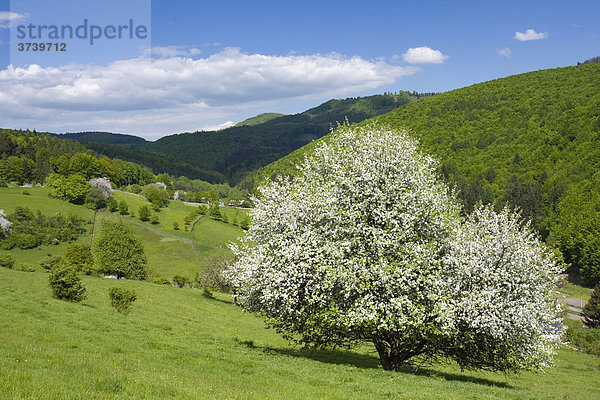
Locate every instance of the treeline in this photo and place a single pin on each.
(531, 141)
(239, 150)
(29, 157)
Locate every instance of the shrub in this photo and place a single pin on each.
(202, 210)
(50, 262)
(25, 240)
(95, 199)
(121, 299)
(123, 207)
(211, 273)
(66, 284)
(6, 260)
(144, 213)
(79, 257)
(154, 219)
(161, 281)
(176, 225)
(214, 212)
(591, 311)
(26, 193)
(112, 204)
(118, 251)
(181, 281)
(25, 267)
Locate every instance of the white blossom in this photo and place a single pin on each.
(366, 244)
(4, 224)
(103, 184)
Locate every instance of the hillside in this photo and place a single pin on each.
(259, 119)
(118, 139)
(177, 343)
(529, 140)
(238, 150)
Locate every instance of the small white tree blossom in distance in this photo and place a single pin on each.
(366, 244)
(4, 224)
(103, 184)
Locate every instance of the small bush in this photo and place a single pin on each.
(144, 213)
(50, 262)
(161, 281)
(66, 284)
(25, 267)
(79, 257)
(26, 193)
(121, 299)
(211, 273)
(25, 240)
(591, 311)
(176, 225)
(181, 281)
(6, 260)
(112, 204)
(154, 219)
(123, 207)
(587, 340)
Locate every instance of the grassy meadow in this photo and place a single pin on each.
(178, 344)
(37, 199)
(167, 256)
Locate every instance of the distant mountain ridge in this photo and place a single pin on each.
(236, 151)
(117, 139)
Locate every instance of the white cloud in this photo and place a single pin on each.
(423, 55)
(530, 34)
(7, 16)
(166, 95)
(218, 127)
(505, 52)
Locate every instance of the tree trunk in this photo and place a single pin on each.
(391, 355)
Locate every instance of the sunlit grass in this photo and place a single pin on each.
(178, 344)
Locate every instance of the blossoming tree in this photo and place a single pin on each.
(365, 244)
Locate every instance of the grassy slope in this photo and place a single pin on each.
(178, 344)
(10, 198)
(167, 256)
(259, 119)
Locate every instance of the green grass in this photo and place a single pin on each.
(178, 344)
(166, 256)
(211, 237)
(38, 199)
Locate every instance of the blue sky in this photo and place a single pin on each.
(218, 62)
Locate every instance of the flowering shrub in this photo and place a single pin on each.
(102, 184)
(4, 225)
(366, 244)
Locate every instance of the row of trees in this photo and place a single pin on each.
(29, 157)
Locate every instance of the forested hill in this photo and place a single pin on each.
(28, 157)
(530, 140)
(118, 139)
(237, 150)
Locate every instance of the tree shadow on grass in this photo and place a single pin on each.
(366, 361)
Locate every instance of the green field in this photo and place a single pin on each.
(167, 256)
(178, 344)
(38, 199)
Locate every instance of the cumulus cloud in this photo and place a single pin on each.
(7, 16)
(423, 55)
(180, 89)
(505, 52)
(224, 125)
(530, 34)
